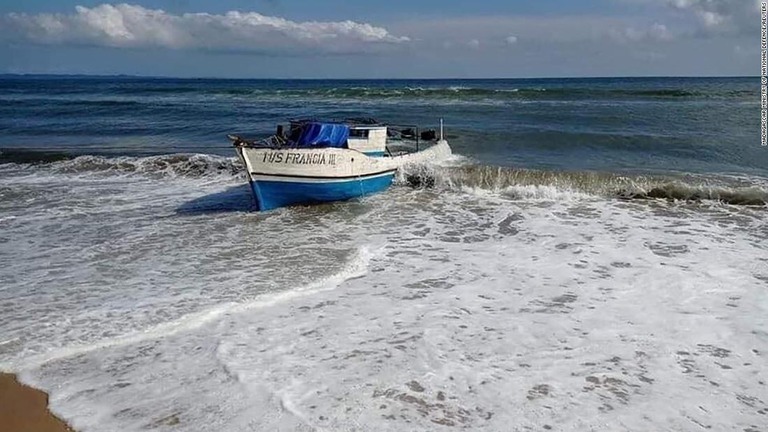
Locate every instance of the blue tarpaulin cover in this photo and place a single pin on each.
(315, 134)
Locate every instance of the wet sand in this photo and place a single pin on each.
(24, 409)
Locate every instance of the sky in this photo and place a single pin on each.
(381, 39)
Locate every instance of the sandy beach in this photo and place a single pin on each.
(24, 409)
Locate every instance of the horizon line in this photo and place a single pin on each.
(85, 75)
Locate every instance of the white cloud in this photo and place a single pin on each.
(474, 44)
(659, 32)
(656, 32)
(746, 52)
(568, 30)
(722, 16)
(133, 26)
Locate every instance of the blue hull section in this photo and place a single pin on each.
(272, 194)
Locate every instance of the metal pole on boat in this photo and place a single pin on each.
(417, 138)
(441, 129)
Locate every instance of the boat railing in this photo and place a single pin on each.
(404, 132)
(413, 133)
(273, 141)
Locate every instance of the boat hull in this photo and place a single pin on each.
(282, 177)
(273, 192)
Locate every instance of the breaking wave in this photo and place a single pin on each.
(543, 92)
(475, 92)
(524, 183)
(173, 165)
(177, 165)
(18, 156)
(512, 182)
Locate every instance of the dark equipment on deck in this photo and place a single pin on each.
(408, 133)
(429, 135)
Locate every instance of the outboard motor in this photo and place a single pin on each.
(428, 135)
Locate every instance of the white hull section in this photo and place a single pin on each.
(329, 163)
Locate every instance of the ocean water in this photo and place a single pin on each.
(595, 257)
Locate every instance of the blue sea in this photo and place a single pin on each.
(593, 257)
(704, 125)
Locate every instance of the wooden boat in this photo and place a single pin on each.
(318, 161)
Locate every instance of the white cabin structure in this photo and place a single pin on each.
(371, 140)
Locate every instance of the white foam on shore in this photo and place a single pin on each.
(356, 268)
(415, 310)
(575, 317)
